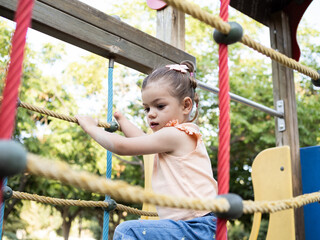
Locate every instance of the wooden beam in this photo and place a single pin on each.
(171, 26)
(284, 89)
(88, 28)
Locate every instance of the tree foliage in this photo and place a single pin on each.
(83, 81)
(46, 136)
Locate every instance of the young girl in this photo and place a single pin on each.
(181, 167)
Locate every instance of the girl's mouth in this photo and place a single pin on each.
(153, 124)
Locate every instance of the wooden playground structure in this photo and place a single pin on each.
(88, 28)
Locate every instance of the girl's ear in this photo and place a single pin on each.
(187, 105)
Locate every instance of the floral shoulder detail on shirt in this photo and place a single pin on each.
(184, 127)
(172, 123)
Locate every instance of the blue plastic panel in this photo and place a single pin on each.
(310, 170)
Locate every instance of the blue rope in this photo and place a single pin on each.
(4, 183)
(109, 154)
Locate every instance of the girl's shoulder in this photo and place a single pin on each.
(189, 128)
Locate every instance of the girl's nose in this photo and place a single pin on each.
(151, 114)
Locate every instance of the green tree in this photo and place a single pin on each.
(84, 81)
(307, 94)
(42, 135)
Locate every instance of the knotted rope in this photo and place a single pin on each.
(79, 203)
(53, 114)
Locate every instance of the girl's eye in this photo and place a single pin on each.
(161, 106)
(147, 110)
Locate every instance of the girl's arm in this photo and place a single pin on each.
(164, 140)
(127, 127)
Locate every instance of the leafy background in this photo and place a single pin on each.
(68, 80)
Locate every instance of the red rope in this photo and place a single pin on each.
(224, 124)
(10, 92)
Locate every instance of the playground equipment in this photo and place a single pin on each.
(144, 58)
(310, 165)
(272, 180)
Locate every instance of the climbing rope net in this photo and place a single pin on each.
(63, 172)
(122, 191)
(119, 190)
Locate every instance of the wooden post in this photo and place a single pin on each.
(284, 89)
(171, 27)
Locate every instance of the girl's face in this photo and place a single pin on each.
(160, 106)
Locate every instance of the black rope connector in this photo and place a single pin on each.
(18, 103)
(317, 81)
(233, 36)
(6, 193)
(112, 205)
(236, 206)
(114, 126)
(13, 158)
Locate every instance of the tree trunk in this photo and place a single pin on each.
(66, 225)
(80, 227)
(67, 218)
(66, 222)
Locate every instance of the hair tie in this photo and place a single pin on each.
(178, 67)
(191, 74)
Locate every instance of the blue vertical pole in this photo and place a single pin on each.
(4, 180)
(109, 154)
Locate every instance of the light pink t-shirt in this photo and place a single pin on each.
(184, 176)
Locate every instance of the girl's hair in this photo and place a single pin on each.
(182, 84)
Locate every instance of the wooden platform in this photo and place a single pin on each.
(86, 27)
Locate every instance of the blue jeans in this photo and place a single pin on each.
(202, 228)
